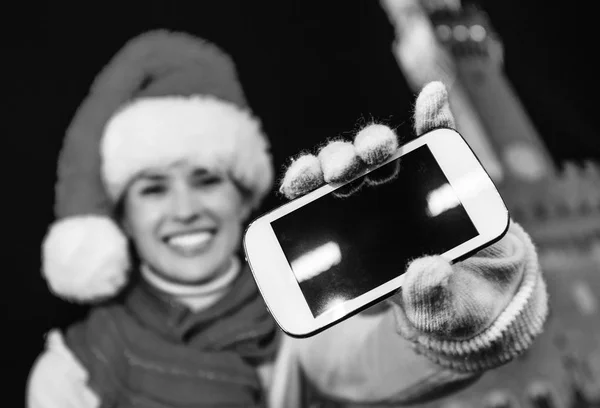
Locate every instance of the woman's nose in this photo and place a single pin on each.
(185, 207)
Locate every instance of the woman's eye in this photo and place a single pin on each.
(207, 180)
(152, 190)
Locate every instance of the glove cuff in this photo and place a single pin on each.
(513, 331)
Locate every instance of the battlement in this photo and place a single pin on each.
(561, 208)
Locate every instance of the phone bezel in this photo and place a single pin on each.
(277, 283)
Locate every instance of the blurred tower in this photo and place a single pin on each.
(478, 56)
(557, 203)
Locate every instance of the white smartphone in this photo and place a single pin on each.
(327, 255)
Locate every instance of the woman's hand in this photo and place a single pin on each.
(470, 316)
(58, 380)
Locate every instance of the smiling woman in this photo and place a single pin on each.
(185, 221)
(185, 105)
(166, 155)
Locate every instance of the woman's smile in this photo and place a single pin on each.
(190, 243)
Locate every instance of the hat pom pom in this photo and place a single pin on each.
(85, 258)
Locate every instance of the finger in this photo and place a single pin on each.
(432, 109)
(444, 302)
(425, 291)
(303, 175)
(63, 357)
(339, 161)
(375, 143)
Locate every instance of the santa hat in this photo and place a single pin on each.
(164, 97)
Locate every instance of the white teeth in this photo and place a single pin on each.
(194, 240)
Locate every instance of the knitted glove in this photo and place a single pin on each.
(58, 379)
(470, 316)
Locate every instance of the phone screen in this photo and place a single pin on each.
(346, 243)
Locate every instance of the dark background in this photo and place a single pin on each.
(311, 69)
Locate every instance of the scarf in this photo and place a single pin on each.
(148, 350)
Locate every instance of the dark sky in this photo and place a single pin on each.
(311, 69)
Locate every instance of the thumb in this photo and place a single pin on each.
(446, 301)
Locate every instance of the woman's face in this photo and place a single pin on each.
(185, 221)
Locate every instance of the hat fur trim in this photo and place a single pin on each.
(85, 258)
(159, 131)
